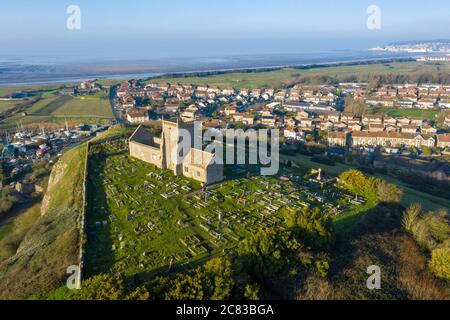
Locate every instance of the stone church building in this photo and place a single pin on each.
(161, 151)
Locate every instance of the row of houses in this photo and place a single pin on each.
(387, 139)
(405, 96)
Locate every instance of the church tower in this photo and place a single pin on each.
(171, 138)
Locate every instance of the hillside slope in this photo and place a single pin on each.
(51, 245)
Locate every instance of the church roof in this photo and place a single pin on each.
(198, 158)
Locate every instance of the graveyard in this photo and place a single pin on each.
(141, 220)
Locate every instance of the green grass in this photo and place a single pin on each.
(15, 230)
(5, 231)
(7, 105)
(344, 222)
(123, 199)
(428, 202)
(398, 112)
(51, 243)
(85, 107)
(55, 110)
(49, 105)
(287, 75)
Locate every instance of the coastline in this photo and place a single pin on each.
(198, 72)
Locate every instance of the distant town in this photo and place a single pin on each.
(438, 46)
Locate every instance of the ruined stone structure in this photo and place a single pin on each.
(162, 152)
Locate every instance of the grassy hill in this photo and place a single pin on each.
(51, 244)
(41, 251)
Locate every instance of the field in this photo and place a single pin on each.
(142, 220)
(88, 107)
(278, 77)
(52, 109)
(398, 112)
(6, 105)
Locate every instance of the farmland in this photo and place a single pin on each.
(143, 220)
(51, 109)
(6, 105)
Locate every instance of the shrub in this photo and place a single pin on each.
(440, 262)
(411, 217)
(389, 193)
(108, 287)
(251, 292)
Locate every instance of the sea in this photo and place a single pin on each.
(36, 70)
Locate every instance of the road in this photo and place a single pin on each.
(114, 101)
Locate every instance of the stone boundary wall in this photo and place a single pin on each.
(83, 235)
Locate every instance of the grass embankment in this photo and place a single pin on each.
(47, 238)
(12, 233)
(39, 258)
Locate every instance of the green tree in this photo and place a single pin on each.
(427, 151)
(220, 273)
(108, 287)
(312, 226)
(213, 281)
(270, 253)
(322, 268)
(358, 183)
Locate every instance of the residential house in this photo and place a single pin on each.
(366, 120)
(280, 96)
(444, 103)
(268, 121)
(390, 120)
(391, 139)
(443, 140)
(409, 128)
(230, 110)
(403, 121)
(137, 116)
(337, 138)
(427, 129)
(376, 127)
(190, 113)
(426, 103)
(326, 125)
(294, 134)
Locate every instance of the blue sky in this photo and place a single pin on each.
(212, 27)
